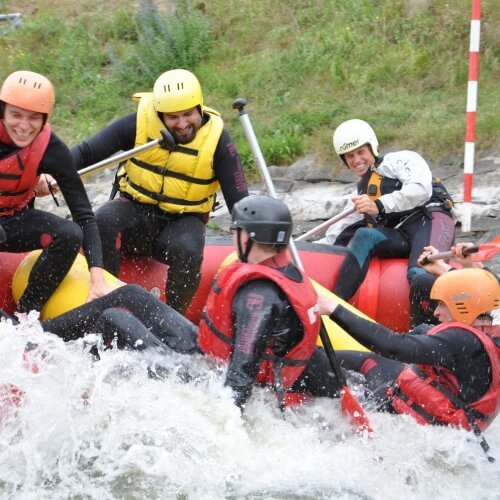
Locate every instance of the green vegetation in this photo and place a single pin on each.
(303, 65)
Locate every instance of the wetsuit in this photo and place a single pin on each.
(266, 326)
(31, 229)
(414, 211)
(175, 239)
(135, 316)
(454, 349)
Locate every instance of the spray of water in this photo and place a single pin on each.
(134, 425)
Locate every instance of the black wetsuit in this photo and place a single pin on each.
(275, 324)
(138, 228)
(135, 316)
(61, 239)
(455, 349)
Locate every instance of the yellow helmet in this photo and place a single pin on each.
(29, 90)
(467, 293)
(177, 90)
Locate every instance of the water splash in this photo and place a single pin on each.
(135, 425)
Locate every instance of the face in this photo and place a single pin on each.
(442, 313)
(360, 160)
(21, 124)
(183, 124)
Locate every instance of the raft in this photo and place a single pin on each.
(383, 296)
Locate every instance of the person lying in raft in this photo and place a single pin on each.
(447, 374)
(421, 305)
(261, 315)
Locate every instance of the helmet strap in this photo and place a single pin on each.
(243, 254)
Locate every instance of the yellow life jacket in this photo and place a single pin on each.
(179, 181)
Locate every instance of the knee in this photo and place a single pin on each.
(364, 240)
(72, 234)
(413, 272)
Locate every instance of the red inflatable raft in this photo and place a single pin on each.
(383, 295)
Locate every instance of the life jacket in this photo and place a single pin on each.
(216, 334)
(180, 181)
(432, 395)
(19, 171)
(375, 185)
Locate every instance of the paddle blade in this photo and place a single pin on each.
(11, 398)
(353, 409)
(487, 250)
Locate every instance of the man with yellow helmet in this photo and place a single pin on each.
(399, 207)
(28, 150)
(166, 196)
(447, 374)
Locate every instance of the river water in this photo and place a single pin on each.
(107, 429)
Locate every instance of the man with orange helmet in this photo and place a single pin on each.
(447, 374)
(28, 150)
(166, 196)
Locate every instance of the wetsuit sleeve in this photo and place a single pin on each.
(117, 136)
(443, 349)
(253, 322)
(57, 162)
(229, 171)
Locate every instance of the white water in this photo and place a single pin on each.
(135, 437)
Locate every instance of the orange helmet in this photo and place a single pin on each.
(29, 90)
(467, 293)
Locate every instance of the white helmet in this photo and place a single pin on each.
(353, 134)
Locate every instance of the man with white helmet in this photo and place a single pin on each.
(447, 374)
(30, 151)
(166, 196)
(399, 207)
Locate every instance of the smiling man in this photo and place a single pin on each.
(399, 207)
(166, 196)
(29, 150)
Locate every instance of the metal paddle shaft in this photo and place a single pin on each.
(325, 225)
(348, 402)
(167, 142)
(446, 255)
(240, 104)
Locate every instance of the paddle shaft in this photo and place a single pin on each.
(325, 225)
(446, 255)
(356, 410)
(167, 141)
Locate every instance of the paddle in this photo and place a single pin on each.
(325, 225)
(349, 404)
(483, 251)
(167, 142)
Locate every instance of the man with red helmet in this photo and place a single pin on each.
(447, 374)
(28, 150)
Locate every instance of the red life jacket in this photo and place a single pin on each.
(18, 171)
(215, 334)
(431, 395)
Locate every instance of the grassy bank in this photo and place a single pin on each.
(303, 65)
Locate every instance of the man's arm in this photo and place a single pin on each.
(229, 171)
(253, 323)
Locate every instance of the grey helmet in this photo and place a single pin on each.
(266, 220)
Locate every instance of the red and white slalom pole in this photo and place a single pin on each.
(470, 126)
